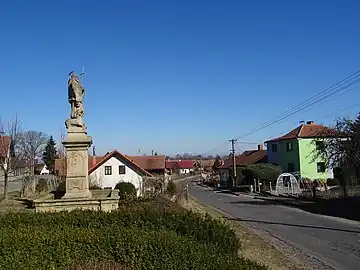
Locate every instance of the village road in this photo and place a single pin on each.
(326, 243)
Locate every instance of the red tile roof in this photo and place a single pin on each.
(149, 162)
(246, 158)
(5, 142)
(182, 164)
(307, 131)
(123, 158)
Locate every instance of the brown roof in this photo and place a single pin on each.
(144, 162)
(149, 162)
(5, 142)
(246, 158)
(307, 131)
(123, 158)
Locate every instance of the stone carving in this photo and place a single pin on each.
(75, 183)
(76, 94)
(75, 162)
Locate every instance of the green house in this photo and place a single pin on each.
(295, 152)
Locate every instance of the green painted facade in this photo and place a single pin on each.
(299, 159)
(309, 161)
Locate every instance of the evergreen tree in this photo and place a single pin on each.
(50, 154)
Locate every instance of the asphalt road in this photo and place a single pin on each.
(325, 243)
(14, 185)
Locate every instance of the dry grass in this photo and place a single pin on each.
(13, 204)
(253, 247)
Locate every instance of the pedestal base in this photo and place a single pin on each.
(77, 144)
(86, 194)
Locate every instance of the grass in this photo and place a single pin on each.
(13, 204)
(253, 247)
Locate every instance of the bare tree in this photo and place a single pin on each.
(60, 147)
(339, 147)
(32, 144)
(10, 157)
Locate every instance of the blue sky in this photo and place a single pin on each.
(176, 76)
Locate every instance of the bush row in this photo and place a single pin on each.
(143, 234)
(146, 214)
(59, 248)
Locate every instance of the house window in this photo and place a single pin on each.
(291, 167)
(274, 148)
(319, 145)
(107, 170)
(321, 167)
(289, 146)
(121, 169)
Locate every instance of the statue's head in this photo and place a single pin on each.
(73, 75)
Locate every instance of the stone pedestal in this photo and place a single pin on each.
(77, 144)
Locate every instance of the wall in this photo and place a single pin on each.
(307, 162)
(283, 157)
(98, 176)
(185, 171)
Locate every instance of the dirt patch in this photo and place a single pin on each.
(253, 246)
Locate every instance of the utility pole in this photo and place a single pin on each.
(233, 141)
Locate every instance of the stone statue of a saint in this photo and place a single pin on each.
(76, 94)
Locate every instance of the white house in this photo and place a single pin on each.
(114, 168)
(41, 169)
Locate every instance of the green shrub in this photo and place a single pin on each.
(41, 186)
(144, 234)
(171, 188)
(263, 172)
(126, 190)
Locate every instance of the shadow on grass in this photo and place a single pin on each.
(345, 207)
(27, 203)
(295, 225)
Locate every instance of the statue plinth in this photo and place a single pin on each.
(77, 144)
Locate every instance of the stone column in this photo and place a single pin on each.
(77, 144)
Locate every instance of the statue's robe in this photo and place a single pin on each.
(75, 91)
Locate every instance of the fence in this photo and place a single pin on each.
(43, 182)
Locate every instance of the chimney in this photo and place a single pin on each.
(310, 122)
(152, 152)
(260, 147)
(94, 151)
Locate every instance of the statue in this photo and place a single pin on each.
(76, 94)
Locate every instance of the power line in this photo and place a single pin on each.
(324, 117)
(247, 142)
(322, 95)
(318, 95)
(301, 108)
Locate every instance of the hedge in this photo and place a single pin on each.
(147, 234)
(126, 190)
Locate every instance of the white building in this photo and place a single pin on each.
(44, 170)
(114, 168)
